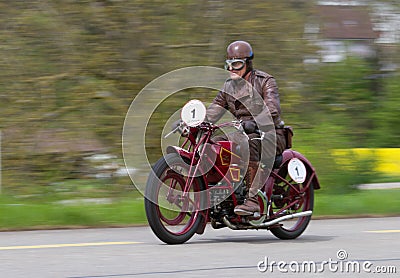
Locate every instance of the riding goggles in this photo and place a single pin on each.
(235, 64)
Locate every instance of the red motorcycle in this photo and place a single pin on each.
(202, 181)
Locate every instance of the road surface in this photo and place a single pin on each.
(365, 247)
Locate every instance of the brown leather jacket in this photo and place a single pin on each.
(247, 103)
(258, 99)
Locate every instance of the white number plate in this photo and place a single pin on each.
(193, 113)
(297, 170)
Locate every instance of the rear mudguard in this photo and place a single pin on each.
(188, 155)
(289, 154)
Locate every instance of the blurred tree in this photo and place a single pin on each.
(344, 92)
(77, 65)
(386, 116)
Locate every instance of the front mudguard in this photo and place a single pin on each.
(189, 155)
(186, 155)
(180, 151)
(289, 154)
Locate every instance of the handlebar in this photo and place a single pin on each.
(237, 124)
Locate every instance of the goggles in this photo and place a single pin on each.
(234, 64)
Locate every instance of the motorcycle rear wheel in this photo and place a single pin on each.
(172, 218)
(292, 229)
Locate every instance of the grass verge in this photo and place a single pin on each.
(385, 202)
(35, 214)
(22, 214)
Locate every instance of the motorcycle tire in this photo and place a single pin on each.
(184, 225)
(284, 231)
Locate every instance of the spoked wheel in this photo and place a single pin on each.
(291, 197)
(173, 216)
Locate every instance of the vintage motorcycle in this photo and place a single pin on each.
(201, 181)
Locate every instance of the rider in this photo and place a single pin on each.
(239, 102)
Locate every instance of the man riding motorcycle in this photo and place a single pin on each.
(254, 112)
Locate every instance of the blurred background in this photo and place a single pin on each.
(70, 69)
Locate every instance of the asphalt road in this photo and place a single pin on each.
(331, 248)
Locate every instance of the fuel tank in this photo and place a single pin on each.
(226, 161)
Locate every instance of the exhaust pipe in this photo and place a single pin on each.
(229, 224)
(269, 223)
(283, 218)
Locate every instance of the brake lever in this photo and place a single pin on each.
(172, 131)
(238, 125)
(262, 133)
(180, 128)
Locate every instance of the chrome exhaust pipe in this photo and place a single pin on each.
(228, 223)
(283, 218)
(269, 223)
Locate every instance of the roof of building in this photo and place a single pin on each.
(345, 22)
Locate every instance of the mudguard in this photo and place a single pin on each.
(180, 151)
(185, 154)
(289, 154)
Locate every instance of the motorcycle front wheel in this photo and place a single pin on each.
(173, 216)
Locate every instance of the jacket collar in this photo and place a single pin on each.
(241, 88)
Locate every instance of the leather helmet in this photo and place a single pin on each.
(239, 50)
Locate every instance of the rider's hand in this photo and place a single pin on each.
(249, 126)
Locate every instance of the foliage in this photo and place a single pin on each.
(77, 65)
(387, 116)
(344, 92)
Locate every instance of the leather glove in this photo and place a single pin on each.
(249, 126)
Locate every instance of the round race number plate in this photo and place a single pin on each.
(297, 170)
(193, 113)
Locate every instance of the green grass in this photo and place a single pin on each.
(358, 203)
(28, 213)
(35, 214)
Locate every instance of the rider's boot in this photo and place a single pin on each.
(251, 205)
